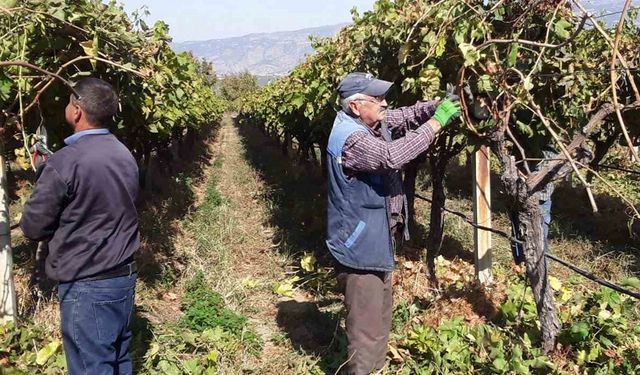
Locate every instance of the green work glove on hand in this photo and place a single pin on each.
(447, 111)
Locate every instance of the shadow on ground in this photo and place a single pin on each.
(168, 197)
(141, 341)
(314, 332)
(295, 194)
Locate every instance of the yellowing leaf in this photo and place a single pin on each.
(594, 352)
(286, 288)
(528, 85)
(403, 54)
(581, 358)
(88, 48)
(22, 158)
(440, 47)
(632, 282)
(46, 352)
(249, 283)
(575, 310)
(604, 314)
(308, 262)
(513, 54)
(397, 357)
(212, 356)
(155, 348)
(555, 283)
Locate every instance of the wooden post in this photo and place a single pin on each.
(7, 288)
(482, 214)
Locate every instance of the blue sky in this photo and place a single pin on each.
(212, 19)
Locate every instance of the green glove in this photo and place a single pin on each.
(447, 111)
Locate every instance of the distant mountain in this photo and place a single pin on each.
(265, 54)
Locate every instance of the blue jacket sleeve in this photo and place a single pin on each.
(41, 214)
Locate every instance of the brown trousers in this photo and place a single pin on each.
(369, 303)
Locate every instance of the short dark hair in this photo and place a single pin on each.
(98, 100)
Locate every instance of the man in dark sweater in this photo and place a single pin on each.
(83, 204)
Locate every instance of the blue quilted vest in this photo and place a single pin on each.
(358, 234)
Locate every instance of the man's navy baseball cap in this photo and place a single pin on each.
(363, 83)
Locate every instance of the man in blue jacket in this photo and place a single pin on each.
(83, 204)
(367, 148)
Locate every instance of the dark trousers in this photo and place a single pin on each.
(96, 317)
(368, 299)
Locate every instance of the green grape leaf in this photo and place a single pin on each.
(580, 330)
(484, 83)
(500, 364)
(5, 89)
(513, 54)
(632, 282)
(470, 53)
(562, 28)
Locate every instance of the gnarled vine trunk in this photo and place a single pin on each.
(532, 235)
(524, 204)
(409, 186)
(324, 141)
(436, 223)
(286, 143)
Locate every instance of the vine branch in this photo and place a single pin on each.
(43, 71)
(604, 34)
(614, 80)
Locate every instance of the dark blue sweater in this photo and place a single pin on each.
(84, 205)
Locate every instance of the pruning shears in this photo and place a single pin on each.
(40, 151)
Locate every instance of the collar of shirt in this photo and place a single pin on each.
(374, 131)
(74, 138)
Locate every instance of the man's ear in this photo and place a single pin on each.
(354, 108)
(77, 113)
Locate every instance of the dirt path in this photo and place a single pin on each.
(254, 265)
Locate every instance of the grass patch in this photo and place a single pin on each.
(204, 309)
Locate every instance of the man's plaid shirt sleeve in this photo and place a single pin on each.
(404, 119)
(363, 152)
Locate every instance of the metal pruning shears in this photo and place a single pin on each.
(40, 151)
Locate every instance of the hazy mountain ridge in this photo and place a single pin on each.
(263, 54)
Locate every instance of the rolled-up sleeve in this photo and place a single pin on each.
(363, 152)
(41, 214)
